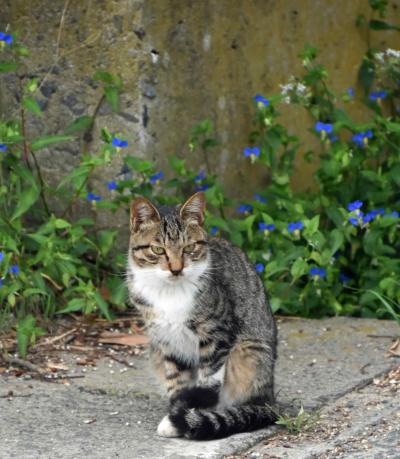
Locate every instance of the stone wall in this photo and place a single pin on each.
(182, 61)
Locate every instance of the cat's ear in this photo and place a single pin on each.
(194, 208)
(143, 212)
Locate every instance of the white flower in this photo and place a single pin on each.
(392, 53)
(380, 57)
(300, 88)
(286, 88)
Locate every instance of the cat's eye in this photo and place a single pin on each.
(189, 248)
(157, 249)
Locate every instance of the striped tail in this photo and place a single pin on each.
(199, 424)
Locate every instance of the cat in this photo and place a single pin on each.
(212, 333)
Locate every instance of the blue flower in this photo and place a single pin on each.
(1, 256)
(323, 128)
(259, 267)
(332, 137)
(112, 185)
(200, 176)
(6, 37)
(355, 205)
(214, 230)
(155, 178)
(116, 142)
(350, 92)
(14, 269)
(343, 278)
(252, 153)
(203, 187)
(378, 95)
(368, 217)
(317, 272)
(380, 211)
(3, 147)
(353, 221)
(261, 101)
(295, 226)
(93, 197)
(260, 198)
(266, 226)
(394, 214)
(361, 138)
(244, 208)
(371, 215)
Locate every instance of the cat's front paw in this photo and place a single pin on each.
(166, 428)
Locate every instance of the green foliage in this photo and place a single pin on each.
(315, 256)
(27, 332)
(302, 422)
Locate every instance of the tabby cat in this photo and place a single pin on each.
(212, 334)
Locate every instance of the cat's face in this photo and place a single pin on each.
(172, 245)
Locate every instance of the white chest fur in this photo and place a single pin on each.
(172, 302)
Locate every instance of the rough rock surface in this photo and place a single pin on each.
(181, 62)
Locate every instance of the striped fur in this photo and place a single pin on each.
(213, 337)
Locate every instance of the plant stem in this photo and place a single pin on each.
(77, 194)
(26, 154)
(23, 128)
(42, 185)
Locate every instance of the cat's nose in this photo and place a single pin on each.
(176, 272)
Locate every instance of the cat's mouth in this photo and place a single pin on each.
(174, 278)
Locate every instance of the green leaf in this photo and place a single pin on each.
(79, 124)
(59, 223)
(204, 127)
(276, 304)
(139, 165)
(27, 198)
(45, 141)
(108, 78)
(112, 96)
(118, 291)
(106, 135)
(25, 329)
(178, 165)
(106, 240)
(375, 24)
(311, 226)
(103, 306)
(8, 66)
(336, 239)
(77, 177)
(32, 85)
(33, 291)
(299, 268)
(76, 304)
(31, 104)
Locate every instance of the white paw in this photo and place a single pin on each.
(166, 429)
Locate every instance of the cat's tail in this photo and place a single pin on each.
(198, 424)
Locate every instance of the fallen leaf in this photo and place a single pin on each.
(123, 339)
(395, 348)
(86, 361)
(53, 366)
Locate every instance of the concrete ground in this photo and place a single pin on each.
(334, 365)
